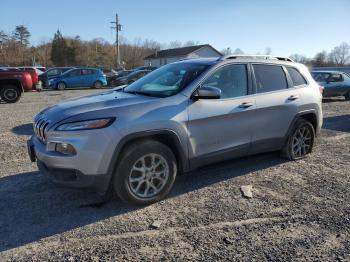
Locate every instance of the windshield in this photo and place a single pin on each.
(167, 80)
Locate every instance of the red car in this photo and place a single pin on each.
(35, 76)
(13, 84)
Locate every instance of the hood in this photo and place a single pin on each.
(104, 104)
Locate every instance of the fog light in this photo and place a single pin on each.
(66, 149)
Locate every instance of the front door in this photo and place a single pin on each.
(74, 78)
(221, 128)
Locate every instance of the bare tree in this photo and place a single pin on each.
(320, 59)
(340, 55)
(267, 51)
(175, 44)
(299, 58)
(238, 51)
(226, 51)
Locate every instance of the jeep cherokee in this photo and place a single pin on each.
(184, 115)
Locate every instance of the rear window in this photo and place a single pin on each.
(296, 77)
(320, 77)
(269, 78)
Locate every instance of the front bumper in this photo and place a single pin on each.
(89, 168)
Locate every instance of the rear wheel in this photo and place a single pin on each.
(347, 96)
(61, 86)
(145, 173)
(10, 93)
(97, 85)
(300, 141)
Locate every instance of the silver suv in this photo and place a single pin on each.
(184, 115)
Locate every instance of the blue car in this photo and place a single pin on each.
(79, 77)
(335, 83)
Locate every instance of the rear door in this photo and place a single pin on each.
(88, 77)
(222, 128)
(277, 103)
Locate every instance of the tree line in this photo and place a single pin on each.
(16, 50)
(338, 56)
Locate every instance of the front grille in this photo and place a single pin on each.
(40, 128)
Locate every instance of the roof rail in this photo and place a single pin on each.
(264, 57)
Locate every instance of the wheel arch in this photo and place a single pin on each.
(15, 82)
(309, 115)
(166, 136)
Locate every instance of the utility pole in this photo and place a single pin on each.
(117, 27)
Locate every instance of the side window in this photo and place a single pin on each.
(53, 72)
(74, 73)
(231, 79)
(296, 77)
(270, 78)
(336, 78)
(87, 72)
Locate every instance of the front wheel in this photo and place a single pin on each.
(10, 93)
(300, 141)
(145, 173)
(61, 86)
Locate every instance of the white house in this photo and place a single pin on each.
(167, 56)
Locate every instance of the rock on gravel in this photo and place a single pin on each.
(247, 191)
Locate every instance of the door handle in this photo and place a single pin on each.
(246, 105)
(293, 97)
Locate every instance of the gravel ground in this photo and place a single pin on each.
(299, 210)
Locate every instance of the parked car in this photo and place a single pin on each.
(51, 73)
(109, 72)
(182, 116)
(41, 68)
(34, 72)
(149, 68)
(79, 77)
(112, 80)
(13, 83)
(335, 83)
(130, 78)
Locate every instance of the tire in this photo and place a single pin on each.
(10, 93)
(300, 141)
(97, 85)
(61, 86)
(347, 96)
(137, 171)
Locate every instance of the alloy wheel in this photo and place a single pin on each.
(97, 85)
(148, 175)
(302, 141)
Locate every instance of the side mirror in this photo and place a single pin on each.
(207, 92)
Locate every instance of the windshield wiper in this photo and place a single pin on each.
(137, 93)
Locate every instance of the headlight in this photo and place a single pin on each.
(86, 125)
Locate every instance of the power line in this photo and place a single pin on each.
(117, 27)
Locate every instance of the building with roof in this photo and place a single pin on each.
(167, 56)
